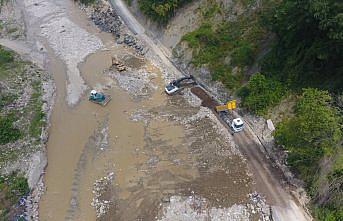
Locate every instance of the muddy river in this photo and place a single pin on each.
(130, 159)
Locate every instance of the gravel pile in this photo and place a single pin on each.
(197, 208)
(132, 42)
(137, 83)
(101, 206)
(258, 206)
(106, 19)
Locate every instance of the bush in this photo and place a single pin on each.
(260, 93)
(87, 2)
(225, 46)
(7, 132)
(5, 56)
(313, 132)
(160, 10)
(328, 213)
(243, 55)
(12, 188)
(36, 123)
(6, 99)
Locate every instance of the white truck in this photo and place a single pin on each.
(237, 125)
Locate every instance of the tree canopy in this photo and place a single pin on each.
(260, 93)
(309, 47)
(314, 132)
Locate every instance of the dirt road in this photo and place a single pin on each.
(267, 178)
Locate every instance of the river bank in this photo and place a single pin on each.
(27, 94)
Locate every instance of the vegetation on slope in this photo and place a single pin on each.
(12, 188)
(314, 134)
(261, 93)
(160, 10)
(227, 48)
(21, 122)
(308, 50)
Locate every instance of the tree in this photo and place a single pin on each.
(314, 132)
(309, 45)
(260, 93)
(160, 10)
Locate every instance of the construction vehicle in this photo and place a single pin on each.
(237, 125)
(99, 98)
(119, 65)
(177, 85)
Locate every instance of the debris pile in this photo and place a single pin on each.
(99, 187)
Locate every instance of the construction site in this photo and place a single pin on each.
(132, 137)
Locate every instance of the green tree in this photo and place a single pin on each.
(309, 43)
(5, 56)
(260, 93)
(7, 132)
(160, 10)
(314, 132)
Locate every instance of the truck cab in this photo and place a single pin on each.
(237, 125)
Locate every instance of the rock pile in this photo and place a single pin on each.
(99, 187)
(132, 42)
(258, 206)
(106, 19)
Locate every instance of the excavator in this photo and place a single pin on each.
(177, 85)
(99, 98)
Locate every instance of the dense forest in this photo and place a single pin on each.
(301, 43)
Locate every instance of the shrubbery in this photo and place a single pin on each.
(260, 93)
(313, 133)
(5, 56)
(35, 106)
(12, 187)
(7, 132)
(160, 10)
(87, 2)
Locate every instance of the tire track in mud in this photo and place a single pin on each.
(96, 143)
